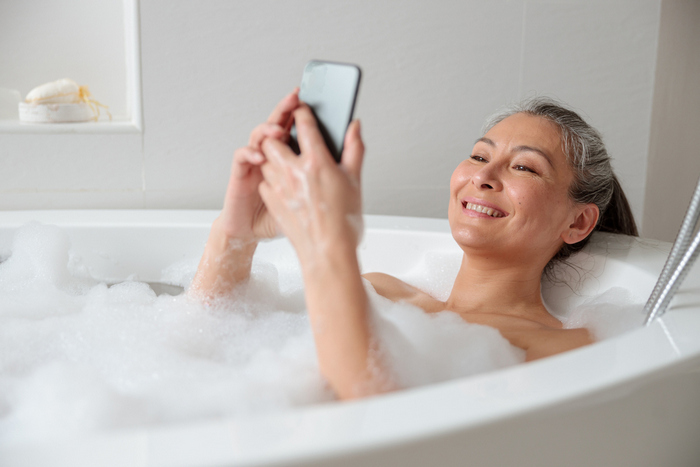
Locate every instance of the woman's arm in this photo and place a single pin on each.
(244, 219)
(339, 312)
(225, 263)
(317, 204)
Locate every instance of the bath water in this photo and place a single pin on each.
(77, 355)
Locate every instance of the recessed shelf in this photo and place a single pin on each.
(14, 127)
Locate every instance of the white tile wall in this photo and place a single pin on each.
(66, 163)
(432, 72)
(76, 199)
(599, 57)
(674, 159)
(42, 41)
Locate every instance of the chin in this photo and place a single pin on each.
(466, 237)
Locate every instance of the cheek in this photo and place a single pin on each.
(539, 202)
(525, 195)
(533, 198)
(459, 178)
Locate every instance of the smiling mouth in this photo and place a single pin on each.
(482, 209)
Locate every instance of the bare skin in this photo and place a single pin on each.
(539, 338)
(244, 220)
(509, 211)
(273, 190)
(519, 170)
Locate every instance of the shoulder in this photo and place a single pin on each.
(547, 342)
(397, 290)
(391, 287)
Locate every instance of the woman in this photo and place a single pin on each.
(536, 185)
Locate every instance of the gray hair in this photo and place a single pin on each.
(594, 179)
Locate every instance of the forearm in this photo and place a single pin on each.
(226, 262)
(339, 312)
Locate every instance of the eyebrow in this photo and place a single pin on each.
(519, 149)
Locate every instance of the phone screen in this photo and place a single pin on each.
(330, 89)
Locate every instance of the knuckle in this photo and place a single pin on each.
(312, 167)
(267, 145)
(240, 154)
(303, 114)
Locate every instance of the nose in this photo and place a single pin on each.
(486, 178)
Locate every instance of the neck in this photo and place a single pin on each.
(495, 286)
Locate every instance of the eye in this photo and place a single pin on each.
(524, 168)
(477, 158)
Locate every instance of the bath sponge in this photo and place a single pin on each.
(59, 101)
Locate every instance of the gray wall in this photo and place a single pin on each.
(433, 71)
(674, 155)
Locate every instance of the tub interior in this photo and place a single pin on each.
(114, 251)
(117, 246)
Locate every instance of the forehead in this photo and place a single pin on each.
(523, 129)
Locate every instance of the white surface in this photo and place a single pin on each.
(630, 400)
(86, 165)
(9, 100)
(432, 73)
(54, 113)
(100, 128)
(81, 39)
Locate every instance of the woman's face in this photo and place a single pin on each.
(510, 198)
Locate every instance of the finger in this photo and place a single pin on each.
(272, 202)
(271, 173)
(353, 150)
(284, 170)
(310, 140)
(243, 159)
(265, 130)
(282, 113)
(280, 162)
(267, 194)
(278, 153)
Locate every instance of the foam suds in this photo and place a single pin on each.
(424, 348)
(608, 315)
(78, 356)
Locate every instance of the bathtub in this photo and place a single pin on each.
(630, 400)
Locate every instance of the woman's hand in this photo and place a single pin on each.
(234, 235)
(316, 202)
(245, 216)
(317, 205)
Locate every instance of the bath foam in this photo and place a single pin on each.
(435, 273)
(607, 315)
(424, 348)
(77, 355)
(610, 313)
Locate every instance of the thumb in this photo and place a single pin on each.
(353, 150)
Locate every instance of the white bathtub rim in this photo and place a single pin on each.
(306, 450)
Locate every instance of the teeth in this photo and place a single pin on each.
(483, 209)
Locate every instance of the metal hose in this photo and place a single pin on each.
(681, 245)
(671, 287)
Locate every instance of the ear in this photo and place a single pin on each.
(583, 225)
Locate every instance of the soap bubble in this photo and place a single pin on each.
(79, 355)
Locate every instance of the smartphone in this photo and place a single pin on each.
(330, 89)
